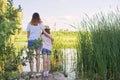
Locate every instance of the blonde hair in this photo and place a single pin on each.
(35, 19)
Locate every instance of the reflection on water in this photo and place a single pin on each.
(69, 58)
(68, 62)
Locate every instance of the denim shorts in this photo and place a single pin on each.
(33, 44)
(46, 51)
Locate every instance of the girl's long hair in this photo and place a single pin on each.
(35, 19)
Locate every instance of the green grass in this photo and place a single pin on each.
(99, 47)
(64, 39)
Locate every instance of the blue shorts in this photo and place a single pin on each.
(33, 44)
(46, 51)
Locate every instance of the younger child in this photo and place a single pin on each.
(46, 51)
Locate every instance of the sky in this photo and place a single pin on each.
(60, 14)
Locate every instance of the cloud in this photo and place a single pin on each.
(61, 22)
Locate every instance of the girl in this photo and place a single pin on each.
(46, 51)
(34, 29)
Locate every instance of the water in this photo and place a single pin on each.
(69, 62)
(69, 58)
(27, 68)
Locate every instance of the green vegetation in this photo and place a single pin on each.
(97, 44)
(99, 47)
(10, 60)
(62, 39)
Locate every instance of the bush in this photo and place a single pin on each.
(9, 25)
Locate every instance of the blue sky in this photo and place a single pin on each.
(63, 12)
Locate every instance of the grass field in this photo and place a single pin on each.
(64, 39)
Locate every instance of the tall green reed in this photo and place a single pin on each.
(99, 47)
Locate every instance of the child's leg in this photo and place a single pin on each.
(44, 63)
(48, 64)
(37, 60)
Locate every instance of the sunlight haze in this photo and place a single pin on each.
(59, 14)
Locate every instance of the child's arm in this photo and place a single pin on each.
(48, 35)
